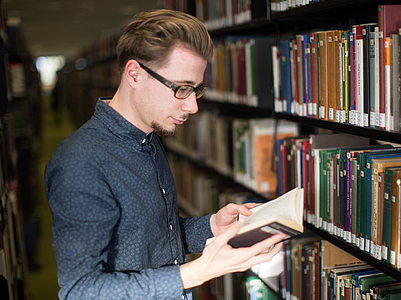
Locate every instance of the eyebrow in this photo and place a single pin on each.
(184, 82)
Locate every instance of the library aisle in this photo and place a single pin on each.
(42, 283)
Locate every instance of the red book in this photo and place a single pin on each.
(388, 22)
(359, 97)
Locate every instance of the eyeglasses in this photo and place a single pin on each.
(180, 91)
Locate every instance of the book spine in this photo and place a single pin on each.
(323, 76)
(357, 29)
(371, 78)
(395, 91)
(388, 196)
(366, 73)
(331, 75)
(313, 106)
(387, 78)
(382, 72)
(377, 79)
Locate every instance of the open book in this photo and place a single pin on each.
(283, 214)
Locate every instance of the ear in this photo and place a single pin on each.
(131, 72)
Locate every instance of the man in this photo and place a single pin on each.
(116, 229)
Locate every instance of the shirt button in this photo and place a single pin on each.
(171, 227)
(175, 262)
(143, 141)
(164, 191)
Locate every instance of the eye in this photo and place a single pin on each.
(185, 89)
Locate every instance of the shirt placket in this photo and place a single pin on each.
(171, 221)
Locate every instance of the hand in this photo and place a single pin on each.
(219, 258)
(226, 216)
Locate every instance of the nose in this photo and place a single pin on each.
(190, 104)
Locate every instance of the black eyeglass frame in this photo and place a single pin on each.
(199, 90)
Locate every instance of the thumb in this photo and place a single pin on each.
(229, 233)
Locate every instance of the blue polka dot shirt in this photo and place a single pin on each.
(116, 229)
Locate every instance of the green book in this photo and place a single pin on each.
(365, 283)
(326, 160)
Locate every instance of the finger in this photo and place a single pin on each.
(244, 209)
(252, 205)
(265, 245)
(231, 231)
(265, 256)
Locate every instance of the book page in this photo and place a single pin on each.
(289, 205)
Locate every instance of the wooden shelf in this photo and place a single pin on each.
(353, 250)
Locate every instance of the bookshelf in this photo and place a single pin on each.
(322, 15)
(20, 107)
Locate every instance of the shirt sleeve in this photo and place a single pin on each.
(195, 233)
(84, 216)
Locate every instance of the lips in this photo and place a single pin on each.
(179, 122)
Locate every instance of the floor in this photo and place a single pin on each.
(42, 283)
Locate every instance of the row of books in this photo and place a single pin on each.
(346, 76)
(283, 5)
(351, 189)
(316, 269)
(253, 142)
(239, 72)
(242, 149)
(201, 193)
(217, 14)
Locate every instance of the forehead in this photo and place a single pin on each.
(184, 64)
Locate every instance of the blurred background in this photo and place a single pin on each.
(56, 59)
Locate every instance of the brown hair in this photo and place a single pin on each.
(152, 35)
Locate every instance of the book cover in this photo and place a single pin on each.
(299, 76)
(388, 23)
(368, 58)
(359, 70)
(323, 75)
(395, 220)
(294, 74)
(371, 75)
(314, 75)
(393, 295)
(309, 100)
(378, 166)
(355, 294)
(366, 162)
(345, 77)
(366, 282)
(379, 291)
(387, 205)
(284, 214)
(387, 85)
(262, 79)
(264, 132)
(286, 86)
(395, 81)
(278, 84)
(338, 73)
(331, 75)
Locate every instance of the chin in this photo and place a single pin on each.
(163, 132)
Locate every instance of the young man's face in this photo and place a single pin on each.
(159, 110)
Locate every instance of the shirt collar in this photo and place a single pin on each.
(118, 124)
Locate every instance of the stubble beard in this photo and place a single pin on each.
(163, 133)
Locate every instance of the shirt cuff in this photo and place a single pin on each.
(168, 282)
